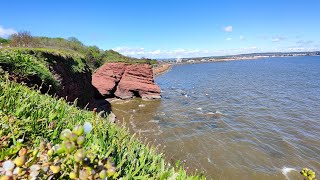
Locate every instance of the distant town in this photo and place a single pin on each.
(237, 57)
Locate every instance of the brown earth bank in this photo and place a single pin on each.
(161, 68)
(74, 85)
(126, 81)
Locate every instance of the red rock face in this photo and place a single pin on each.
(137, 80)
(106, 78)
(126, 81)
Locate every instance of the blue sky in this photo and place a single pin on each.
(171, 28)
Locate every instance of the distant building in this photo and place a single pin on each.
(178, 60)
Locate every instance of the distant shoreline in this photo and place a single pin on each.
(213, 60)
(253, 56)
(161, 69)
(164, 67)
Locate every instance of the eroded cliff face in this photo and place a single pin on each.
(126, 81)
(74, 85)
(72, 74)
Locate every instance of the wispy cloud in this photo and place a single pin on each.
(242, 37)
(304, 42)
(181, 52)
(158, 53)
(6, 32)
(228, 29)
(130, 51)
(278, 38)
(229, 39)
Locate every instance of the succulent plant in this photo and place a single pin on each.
(308, 173)
(78, 130)
(65, 160)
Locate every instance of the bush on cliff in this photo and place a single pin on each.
(27, 67)
(4, 42)
(60, 72)
(94, 56)
(28, 118)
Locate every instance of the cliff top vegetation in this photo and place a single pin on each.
(94, 56)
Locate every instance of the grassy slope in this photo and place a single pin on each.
(27, 62)
(94, 56)
(28, 115)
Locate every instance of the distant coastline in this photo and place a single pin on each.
(252, 56)
(161, 68)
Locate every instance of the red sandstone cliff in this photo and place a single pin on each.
(126, 81)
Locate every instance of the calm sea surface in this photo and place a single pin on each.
(251, 119)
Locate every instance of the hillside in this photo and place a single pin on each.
(28, 118)
(94, 56)
(36, 88)
(58, 72)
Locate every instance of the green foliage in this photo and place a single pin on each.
(27, 66)
(93, 56)
(72, 61)
(4, 41)
(71, 44)
(29, 117)
(113, 56)
(35, 65)
(308, 173)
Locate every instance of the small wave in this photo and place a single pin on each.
(144, 131)
(154, 121)
(285, 171)
(199, 108)
(159, 132)
(216, 114)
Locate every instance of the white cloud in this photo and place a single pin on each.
(181, 52)
(297, 49)
(184, 53)
(304, 43)
(228, 29)
(6, 32)
(277, 39)
(229, 39)
(130, 51)
(241, 37)
(156, 52)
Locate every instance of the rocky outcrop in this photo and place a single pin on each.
(137, 80)
(126, 81)
(107, 77)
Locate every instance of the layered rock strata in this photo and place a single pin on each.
(126, 81)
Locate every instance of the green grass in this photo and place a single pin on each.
(37, 63)
(113, 56)
(25, 66)
(28, 115)
(75, 60)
